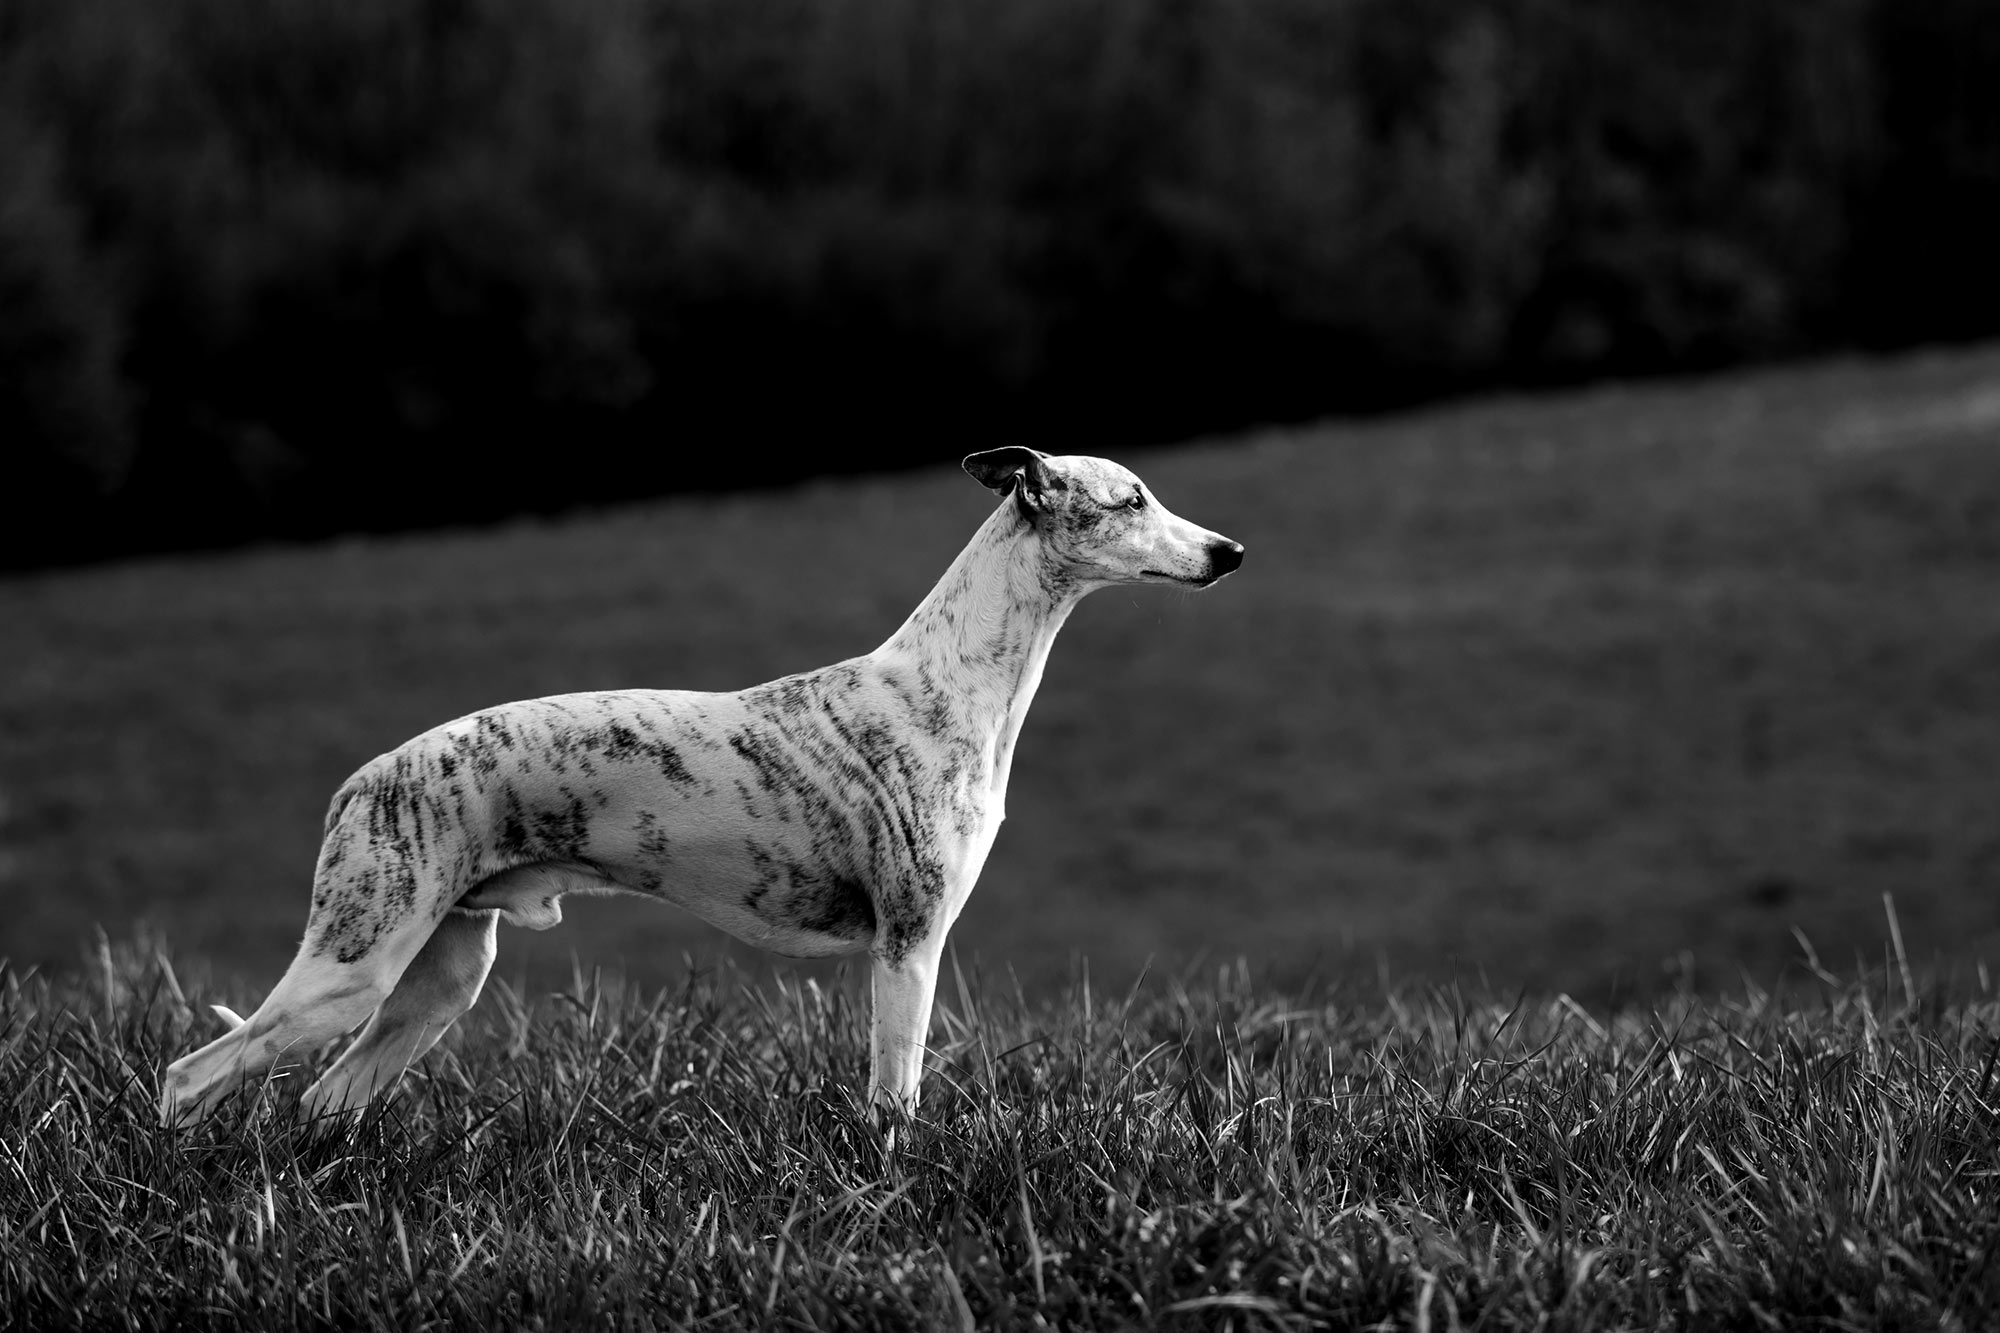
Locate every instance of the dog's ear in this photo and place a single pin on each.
(1014, 469)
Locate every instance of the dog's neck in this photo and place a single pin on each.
(983, 634)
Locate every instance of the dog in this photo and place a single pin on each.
(842, 809)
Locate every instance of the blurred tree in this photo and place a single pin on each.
(1925, 265)
(64, 414)
(278, 266)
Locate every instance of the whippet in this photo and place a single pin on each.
(843, 809)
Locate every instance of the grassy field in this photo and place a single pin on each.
(1606, 692)
(1218, 1155)
(1534, 747)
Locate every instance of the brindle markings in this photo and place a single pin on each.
(767, 872)
(352, 912)
(654, 846)
(889, 769)
(562, 834)
(877, 773)
(512, 842)
(665, 755)
(840, 907)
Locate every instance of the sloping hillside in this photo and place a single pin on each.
(1582, 691)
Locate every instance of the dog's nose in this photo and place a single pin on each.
(1225, 556)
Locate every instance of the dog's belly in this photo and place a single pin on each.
(799, 917)
(781, 884)
(775, 896)
(773, 886)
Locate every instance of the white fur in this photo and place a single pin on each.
(838, 810)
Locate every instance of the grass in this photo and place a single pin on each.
(1211, 1154)
(1550, 691)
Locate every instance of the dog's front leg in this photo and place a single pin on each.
(903, 989)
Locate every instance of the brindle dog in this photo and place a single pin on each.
(843, 809)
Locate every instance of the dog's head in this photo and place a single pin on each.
(1101, 523)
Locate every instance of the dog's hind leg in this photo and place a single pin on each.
(436, 989)
(316, 1000)
(334, 983)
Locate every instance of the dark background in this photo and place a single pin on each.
(280, 267)
(1628, 606)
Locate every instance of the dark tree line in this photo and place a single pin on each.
(291, 267)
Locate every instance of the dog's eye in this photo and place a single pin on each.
(1138, 500)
